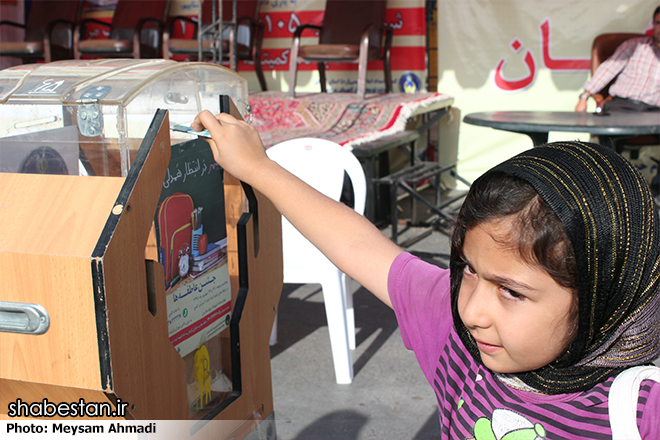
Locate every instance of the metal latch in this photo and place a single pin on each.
(90, 118)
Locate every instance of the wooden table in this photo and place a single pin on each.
(610, 127)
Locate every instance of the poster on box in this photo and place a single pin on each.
(192, 246)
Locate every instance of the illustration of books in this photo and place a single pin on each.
(215, 253)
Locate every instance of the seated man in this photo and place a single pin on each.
(635, 67)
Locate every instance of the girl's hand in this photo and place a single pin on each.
(236, 145)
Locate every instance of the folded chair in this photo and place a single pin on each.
(352, 32)
(247, 34)
(322, 164)
(135, 31)
(48, 31)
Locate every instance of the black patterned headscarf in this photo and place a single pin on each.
(610, 218)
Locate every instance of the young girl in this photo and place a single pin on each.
(552, 289)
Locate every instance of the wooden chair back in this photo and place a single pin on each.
(43, 12)
(344, 21)
(48, 31)
(128, 14)
(352, 32)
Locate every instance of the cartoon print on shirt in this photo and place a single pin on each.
(507, 425)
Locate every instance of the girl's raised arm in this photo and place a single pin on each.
(348, 239)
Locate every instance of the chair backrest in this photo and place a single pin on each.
(321, 164)
(43, 12)
(129, 12)
(603, 47)
(344, 21)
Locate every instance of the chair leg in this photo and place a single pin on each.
(387, 62)
(362, 74)
(321, 67)
(293, 67)
(293, 71)
(335, 310)
(260, 74)
(362, 83)
(387, 67)
(256, 55)
(350, 310)
(76, 40)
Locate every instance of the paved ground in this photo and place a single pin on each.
(389, 398)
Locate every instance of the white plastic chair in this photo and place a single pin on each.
(321, 164)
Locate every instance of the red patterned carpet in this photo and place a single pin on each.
(339, 117)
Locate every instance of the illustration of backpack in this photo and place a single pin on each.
(175, 232)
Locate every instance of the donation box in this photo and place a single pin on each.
(139, 280)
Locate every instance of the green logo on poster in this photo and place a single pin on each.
(185, 312)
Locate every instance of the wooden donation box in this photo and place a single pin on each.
(139, 281)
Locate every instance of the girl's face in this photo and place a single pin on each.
(519, 316)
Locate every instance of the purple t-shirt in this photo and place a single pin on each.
(473, 402)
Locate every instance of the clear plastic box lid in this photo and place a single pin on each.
(89, 116)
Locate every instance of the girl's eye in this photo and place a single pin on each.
(511, 294)
(467, 269)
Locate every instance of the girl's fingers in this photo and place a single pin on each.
(204, 120)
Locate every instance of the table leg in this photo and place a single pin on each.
(538, 138)
(611, 141)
